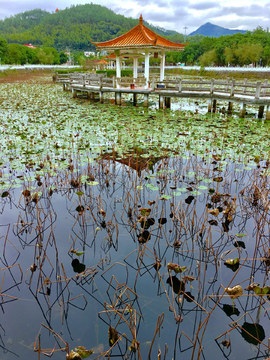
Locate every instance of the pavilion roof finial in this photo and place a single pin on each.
(141, 20)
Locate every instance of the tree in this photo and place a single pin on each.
(266, 54)
(63, 57)
(248, 53)
(229, 55)
(208, 58)
(3, 50)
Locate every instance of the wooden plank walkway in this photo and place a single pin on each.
(254, 93)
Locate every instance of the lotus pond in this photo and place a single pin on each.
(129, 233)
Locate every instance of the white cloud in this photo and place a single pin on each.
(170, 14)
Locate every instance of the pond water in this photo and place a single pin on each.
(131, 232)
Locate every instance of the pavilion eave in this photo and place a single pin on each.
(134, 47)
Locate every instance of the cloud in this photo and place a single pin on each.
(204, 5)
(169, 14)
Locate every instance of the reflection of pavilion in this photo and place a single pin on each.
(137, 163)
(137, 42)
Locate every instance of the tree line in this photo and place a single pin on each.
(74, 28)
(253, 47)
(21, 54)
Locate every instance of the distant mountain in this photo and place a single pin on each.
(209, 29)
(72, 28)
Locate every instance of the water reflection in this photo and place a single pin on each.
(87, 248)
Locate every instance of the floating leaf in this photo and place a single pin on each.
(113, 336)
(240, 235)
(207, 180)
(232, 261)
(79, 193)
(202, 187)
(83, 353)
(139, 187)
(165, 197)
(235, 291)
(176, 268)
(252, 333)
(4, 194)
(145, 211)
(77, 266)
(261, 291)
(218, 179)
(214, 212)
(195, 192)
(230, 310)
(80, 208)
(240, 243)
(79, 253)
(92, 183)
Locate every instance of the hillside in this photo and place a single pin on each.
(71, 28)
(212, 30)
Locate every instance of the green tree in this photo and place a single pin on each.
(208, 58)
(229, 55)
(63, 57)
(3, 50)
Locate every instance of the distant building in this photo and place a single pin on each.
(89, 53)
(30, 46)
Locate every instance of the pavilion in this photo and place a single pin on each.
(137, 42)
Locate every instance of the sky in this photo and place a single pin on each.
(169, 14)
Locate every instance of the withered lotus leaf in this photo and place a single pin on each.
(235, 291)
(176, 268)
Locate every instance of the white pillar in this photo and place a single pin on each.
(118, 64)
(135, 67)
(162, 65)
(146, 65)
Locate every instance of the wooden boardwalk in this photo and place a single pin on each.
(231, 91)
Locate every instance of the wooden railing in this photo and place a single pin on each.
(229, 87)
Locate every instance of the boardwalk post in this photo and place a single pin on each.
(212, 86)
(258, 90)
(101, 97)
(64, 87)
(135, 96)
(92, 95)
(145, 100)
(227, 85)
(74, 93)
(88, 95)
(214, 106)
(242, 110)
(180, 85)
(260, 113)
(209, 105)
(230, 107)
(244, 87)
(200, 86)
(118, 98)
(161, 102)
(267, 115)
(167, 102)
(232, 87)
(265, 84)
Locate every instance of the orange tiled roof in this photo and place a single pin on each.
(139, 36)
(102, 61)
(111, 56)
